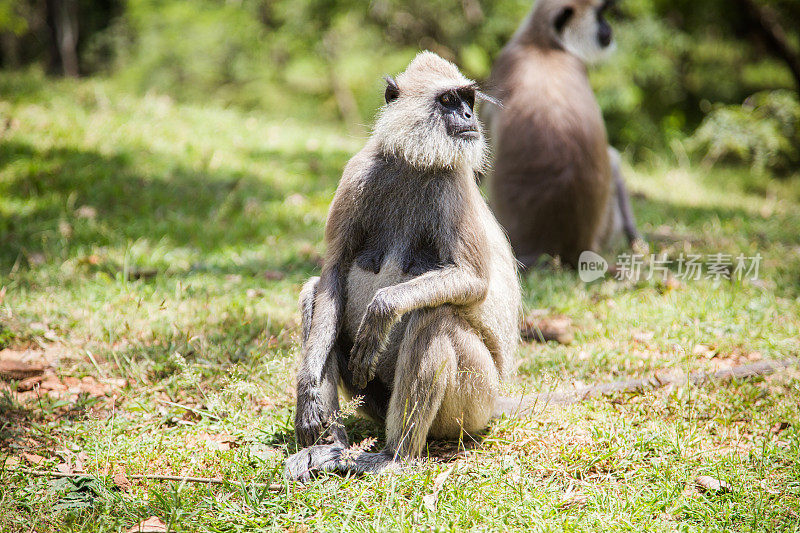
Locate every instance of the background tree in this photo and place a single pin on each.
(677, 60)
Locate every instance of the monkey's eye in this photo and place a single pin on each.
(447, 100)
(467, 95)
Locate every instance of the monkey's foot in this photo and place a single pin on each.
(312, 460)
(335, 458)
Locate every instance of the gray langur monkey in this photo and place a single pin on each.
(417, 307)
(556, 186)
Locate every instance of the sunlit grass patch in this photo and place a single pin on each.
(161, 248)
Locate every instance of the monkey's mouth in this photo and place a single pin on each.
(467, 132)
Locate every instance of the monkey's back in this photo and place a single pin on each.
(551, 178)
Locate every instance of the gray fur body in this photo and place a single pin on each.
(417, 308)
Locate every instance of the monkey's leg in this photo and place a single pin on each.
(623, 200)
(317, 400)
(425, 371)
(445, 384)
(467, 405)
(317, 404)
(426, 368)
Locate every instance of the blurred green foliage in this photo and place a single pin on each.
(764, 133)
(676, 60)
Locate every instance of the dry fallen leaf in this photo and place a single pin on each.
(33, 458)
(430, 500)
(72, 462)
(122, 481)
(80, 462)
(274, 275)
(778, 427)
(710, 484)
(573, 499)
(17, 369)
(29, 383)
(754, 356)
(221, 442)
(557, 329)
(705, 351)
(152, 525)
(255, 293)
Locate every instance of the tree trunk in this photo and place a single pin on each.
(769, 28)
(63, 15)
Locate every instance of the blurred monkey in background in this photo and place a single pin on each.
(556, 186)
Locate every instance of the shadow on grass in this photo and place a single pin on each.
(732, 223)
(360, 429)
(150, 196)
(132, 196)
(20, 420)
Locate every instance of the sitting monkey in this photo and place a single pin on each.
(556, 186)
(417, 307)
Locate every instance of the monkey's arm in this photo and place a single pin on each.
(317, 376)
(326, 315)
(449, 285)
(317, 399)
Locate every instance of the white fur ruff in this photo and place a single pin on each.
(580, 39)
(420, 138)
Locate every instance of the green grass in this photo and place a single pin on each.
(139, 231)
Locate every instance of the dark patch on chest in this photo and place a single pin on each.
(422, 256)
(371, 258)
(401, 212)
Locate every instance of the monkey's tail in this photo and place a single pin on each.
(517, 407)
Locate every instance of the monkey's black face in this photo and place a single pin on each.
(456, 107)
(603, 28)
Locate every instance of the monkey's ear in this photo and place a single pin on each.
(563, 17)
(392, 90)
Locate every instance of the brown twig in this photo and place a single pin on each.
(521, 406)
(189, 479)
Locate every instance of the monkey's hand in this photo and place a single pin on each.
(312, 428)
(371, 338)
